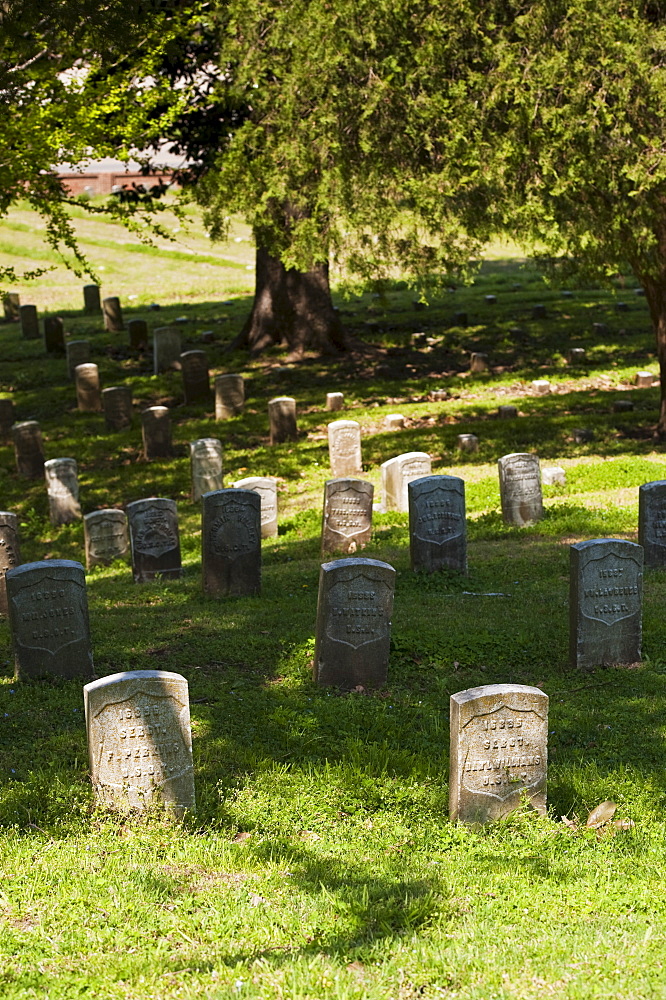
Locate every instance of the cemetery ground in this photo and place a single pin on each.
(321, 861)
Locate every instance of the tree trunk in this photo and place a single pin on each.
(655, 293)
(291, 308)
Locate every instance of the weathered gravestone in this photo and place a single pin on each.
(541, 386)
(344, 447)
(117, 405)
(605, 602)
(10, 552)
(229, 396)
(652, 523)
(91, 299)
(166, 348)
(156, 432)
(206, 466)
(77, 352)
(353, 629)
(113, 314)
(520, 488)
(29, 449)
(467, 442)
(11, 304)
(643, 379)
(29, 323)
(88, 392)
(347, 518)
(507, 412)
(266, 487)
(140, 741)
(334, 400)
(231, 543)
(394, 422)
(62, 487)
(478, 362)
(154, 539)
(106, 537)
(48, 616)
(398, 472)
(6, 417)
(282, 417)
(54, 335)
(499, 751)
(553, 475)
(196, 377)
(138, 334)
(437, 524)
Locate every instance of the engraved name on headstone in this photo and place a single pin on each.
(231, 543)
(282, 418)
(437, 525)
(77, 353)
(520, 488)
(353, 623)
(138, 334)
(206, 466)
(605, 602)
(344, 448)
(266, 487)
(29, 449)
(652, 522)
(196, 377)
(10, 552)
(62, 487)
(154, 539)
(29, 322)
(347, 517)
(88, 392)
(91, 299)
(54, 335)
(140, 740)
(166, 348)
(229, 396)
(113, 314)
(499, 751)
(397, 473)
(156, 432)
(117, 404)
(7, 417)
(106, 537)
(48, 616)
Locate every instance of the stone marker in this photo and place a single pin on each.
(490, 300)
(344, 447)
(231, 543)
(154, 539)
(397, 473)
(582, 435)
(438, 395)
(394, 422)
(106, 537)
(11, 304)
(334, 400)
(229, 396)
(468, 442)
(621, 307)
(48, 616)
(7, 417)
(206, 466)
(77, 353)
(605, 595)
(600, 328)
(353, 623)
(347, 516)
(639, 291)
(166, 348)
(643, 379)
(282, 417)
(156, 432)
(266, 487)
(196, 377)
(54, 335)
(62, 486)
(117, 404)
(138, 334)
(88, 393)
(437, 524)
(520, 489)
(507, 412)
(541, 386)
(29, 323)
(29, 449)
(478, 362)
(10, 552)
(652, 522)
(91, 299)
(553, 475)
(140, 741)
(499, 751)
(623, 406)
(460, 319)
(576, 355)
(113, 314)
(539, 311)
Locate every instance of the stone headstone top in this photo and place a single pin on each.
(539, 311)
(282, 418)
(507, 412)
(520, 488)
(156, 432)
(113, 314)
(166, 348)
(231, 543)
(7, 416)
(10, 551)
(29, 322)
(398, 472)
(62, 486)
(91, 299)
(229, 396)
(88, 392)
(643, 380)
(266, 487)
(196, 377)
(11, 303)
(437, 524)
(468, 442)
(541, 386)
(54, 335)
(652, 522)
(553, 475)
(138, 334)
(206, 466)
(344, 447)
(154, 539)
(106, 537)
(29, 449)
(394, 421)
(117, 405)
(478, 362)
(347, 516)
(334, 400)
(77, 353)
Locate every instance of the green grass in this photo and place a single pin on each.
(321, 862)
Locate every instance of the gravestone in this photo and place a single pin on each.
(29, 323)
(10, 552)
(156, 432)
(229, 396)
(282, 417)
(48, 616)
(520, 489)
(206, 466)
(507, 412)
(154, 539)
(437, 524)
(266, 487)
(77, 352)
(467, 442)
(7, 417)
(91, 299)
(576, 355)
(88, 392)
(138, 334)
(652, 523)
(539, 311)
(478, 362)
(553, 475)
(460, 319)
(623, 406)
(106, 537)
(231, 543)
(29, 449)
(605, 595)
(397, 473)
(344, 447)
(54, 335)
(394, 421)
(353, 629)
(62, 487)
(347, 516)
(334, 400)
(499, 751)
(490, 300)
(11, 304)
(140, 741)
(196, 377)
(166, 348)
(113, 314)
(117, 405)
(643, 380)
(541, 386)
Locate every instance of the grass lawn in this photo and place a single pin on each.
(321, 862)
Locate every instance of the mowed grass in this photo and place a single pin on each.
(321, 862)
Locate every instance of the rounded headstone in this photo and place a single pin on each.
(106, 537)
(29, 449)
(154, 539)
(231, 543)
(229, 396)
(10, 552)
